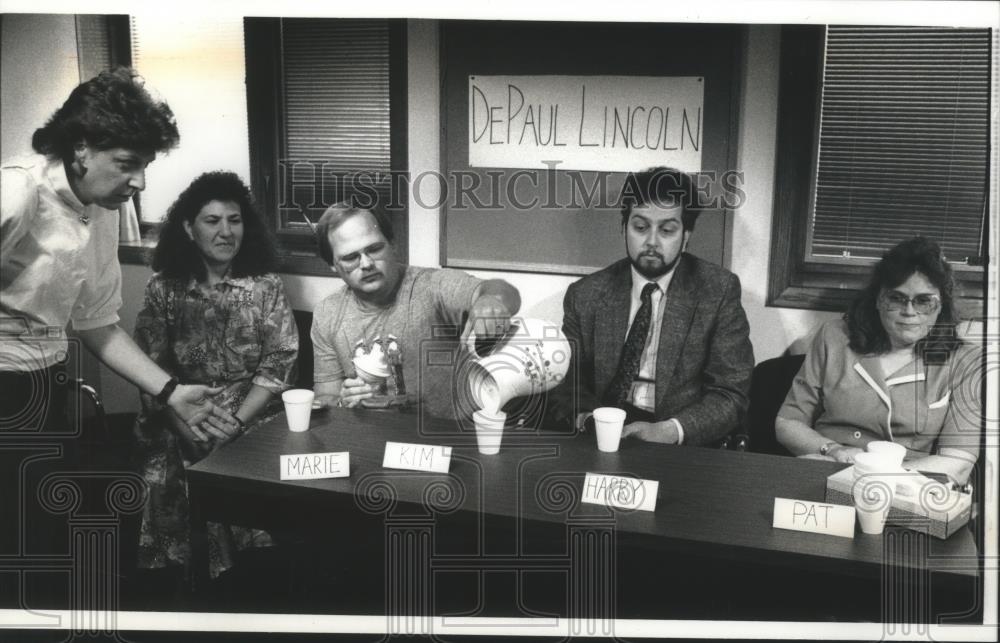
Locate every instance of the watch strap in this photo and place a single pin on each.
(167, 391)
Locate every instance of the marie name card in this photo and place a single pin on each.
(621, 492)
(417, 457)
(814, 517)
(314, 466)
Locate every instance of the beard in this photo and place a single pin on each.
(652, 265)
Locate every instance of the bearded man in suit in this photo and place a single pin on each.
(660, 333)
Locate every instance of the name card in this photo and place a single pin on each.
(313, 466)
(417, 457)
(815, 517)
(620, 491)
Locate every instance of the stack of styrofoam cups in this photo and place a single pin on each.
(894, 450)
(875, 478)
(608, 421)
(489, 430)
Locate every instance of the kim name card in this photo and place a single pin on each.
(620, 491)
(417, 457)
(815, 517)
(314, 466)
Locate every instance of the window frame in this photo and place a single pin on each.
(265, 118)
(794, 281)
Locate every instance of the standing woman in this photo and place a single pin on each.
(59, 253)
(215, 314)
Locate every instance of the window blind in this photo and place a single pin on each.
(197, 67)
(903, 141)
(93, 44)
(336, 108)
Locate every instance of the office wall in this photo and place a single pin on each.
(38, 72)
(773, 330)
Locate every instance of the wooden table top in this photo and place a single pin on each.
(710, 502)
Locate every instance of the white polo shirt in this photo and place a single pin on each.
(54, 268)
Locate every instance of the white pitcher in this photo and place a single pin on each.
(531, 358)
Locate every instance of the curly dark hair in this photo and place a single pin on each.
(864, 326)
(177, 257)
(661, 185)
(113, 109)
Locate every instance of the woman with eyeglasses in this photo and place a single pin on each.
(893, 368)
(214, 313)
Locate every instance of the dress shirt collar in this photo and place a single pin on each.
(55, 174)
(639, 282)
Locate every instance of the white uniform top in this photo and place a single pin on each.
(54, 268)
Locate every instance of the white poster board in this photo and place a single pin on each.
(598, 123)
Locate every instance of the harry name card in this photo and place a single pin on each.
(417, 457)
(314, 466)
(620, 491)
(815, 517)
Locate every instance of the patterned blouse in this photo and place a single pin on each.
(238, 333)
(242, 333)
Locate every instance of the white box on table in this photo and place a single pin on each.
(935, 509)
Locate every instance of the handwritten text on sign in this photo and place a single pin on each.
(313, 466)
(620, 491)
(612, 123)
(417, 457)
(815, 517)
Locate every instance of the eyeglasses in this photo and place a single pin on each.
(351, 261)
(922, 304)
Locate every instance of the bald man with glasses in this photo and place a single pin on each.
(392, 308)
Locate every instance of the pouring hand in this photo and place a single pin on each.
(488, 317)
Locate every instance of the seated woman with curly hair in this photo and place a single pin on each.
(214, 313)
(892, 369)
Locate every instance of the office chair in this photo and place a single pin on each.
(769, 385)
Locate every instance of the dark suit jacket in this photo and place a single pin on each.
(704, 359)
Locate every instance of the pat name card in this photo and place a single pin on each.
(621, 492)
(814, 517)
(417, 457)
(315, 466)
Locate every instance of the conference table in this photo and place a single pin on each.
(520, 512)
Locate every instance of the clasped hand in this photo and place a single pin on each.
(664, 431)
(193, 404)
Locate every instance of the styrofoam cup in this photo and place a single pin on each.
(489, 430)
(873, 495)
(876, 475)
(371, 375)
(608, 421)
(298, 408)
(893, 450)
(874, 463)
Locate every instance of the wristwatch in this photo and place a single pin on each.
(167, 391)
(829, 446)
